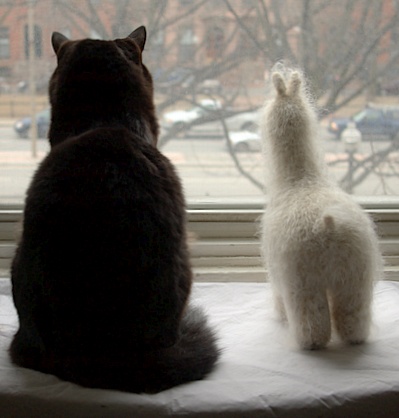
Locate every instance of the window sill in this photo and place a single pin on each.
(224, 239)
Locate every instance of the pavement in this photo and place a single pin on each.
(7, 122)
(12, 158)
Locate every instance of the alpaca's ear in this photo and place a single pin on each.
(279, 83)
(295, 84)
(139, 36)
(57, 39)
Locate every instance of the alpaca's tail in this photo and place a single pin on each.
(352, 225)
(340, 217)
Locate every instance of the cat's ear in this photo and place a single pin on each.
(57, 39)
(139, 36)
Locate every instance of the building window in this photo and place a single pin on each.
(214, 42)
(37, 40)
(4, 42)
(187, 45)
(5, 72)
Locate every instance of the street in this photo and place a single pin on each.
(204, 165)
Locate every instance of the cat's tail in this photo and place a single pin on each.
(191, 358)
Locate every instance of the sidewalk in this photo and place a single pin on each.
(10, 158)
(7, 122)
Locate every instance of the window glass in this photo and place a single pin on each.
(4, 42)
(211, 62)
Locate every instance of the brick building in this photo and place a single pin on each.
(196, 37)
(181, 34)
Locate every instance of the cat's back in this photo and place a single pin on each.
(105, 192)
(101, 166)
(105, 158)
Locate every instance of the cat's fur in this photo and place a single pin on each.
(320, 248)
(101, 277)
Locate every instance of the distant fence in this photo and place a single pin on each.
(15, 106)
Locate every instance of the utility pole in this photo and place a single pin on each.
(32, 75)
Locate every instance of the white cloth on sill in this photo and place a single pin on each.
(261, 373)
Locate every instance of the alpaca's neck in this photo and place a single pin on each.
(294, 158)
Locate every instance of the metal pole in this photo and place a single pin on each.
(32, 75)
(351, 161)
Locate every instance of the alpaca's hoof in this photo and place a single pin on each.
(313, 346)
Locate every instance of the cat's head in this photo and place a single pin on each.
(132, 47)
(100, 81)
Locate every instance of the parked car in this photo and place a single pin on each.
(245, 141)
(22, 126)
(180, 119)
(246, 121)
(373, 121)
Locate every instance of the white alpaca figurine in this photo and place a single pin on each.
(320, 247)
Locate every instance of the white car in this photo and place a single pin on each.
(245, 141)
(179, 120)
(246, 121)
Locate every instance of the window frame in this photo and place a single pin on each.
(224, 237)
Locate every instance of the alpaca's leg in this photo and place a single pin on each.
(309, 316)
(351, 309)
(279, 307)
(277, 282)
(278, 301)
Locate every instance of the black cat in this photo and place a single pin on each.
(101, 276)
